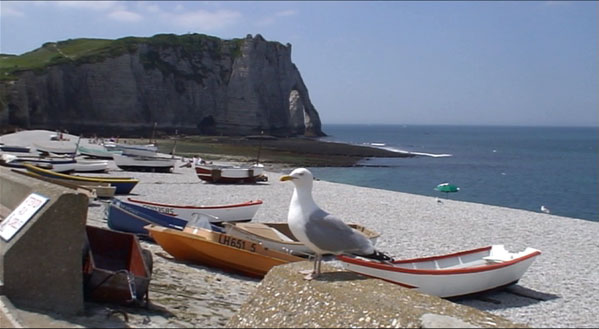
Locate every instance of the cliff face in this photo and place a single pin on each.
(202, 85)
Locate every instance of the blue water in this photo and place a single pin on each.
(514, 167)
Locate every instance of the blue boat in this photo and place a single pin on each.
(127, 217)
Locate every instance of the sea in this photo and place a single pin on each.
(514, 167)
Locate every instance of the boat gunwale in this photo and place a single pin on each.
(77, 177)
(237, 205)
(463, 270)
(243, 229)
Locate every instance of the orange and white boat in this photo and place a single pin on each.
(215, 249)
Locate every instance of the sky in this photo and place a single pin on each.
(524, 63)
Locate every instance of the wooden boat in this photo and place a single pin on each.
(144, 163)
(278, 236)
(115, 267)
(457, 274)
(98, 151)
(96, 189)
(240, 212)
(148, 150)
(123, 185)
(230, 174)
(201, 246)
(129, 217)
(56, 164)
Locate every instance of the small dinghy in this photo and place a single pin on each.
(457, 274)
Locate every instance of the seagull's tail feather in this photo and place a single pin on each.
(377, 255)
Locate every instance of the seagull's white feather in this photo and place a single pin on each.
(316, 228)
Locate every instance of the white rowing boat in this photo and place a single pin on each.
(457, 274)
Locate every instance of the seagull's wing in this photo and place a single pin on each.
(330, 233)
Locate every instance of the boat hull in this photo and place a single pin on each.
(91, 166)
(56, 164)
(452, 275)
(221, 213)
(99, 152)
(219, 250)
(229, 174)
(148, 150)
(144, 163)
(122, 185)
(130, 218)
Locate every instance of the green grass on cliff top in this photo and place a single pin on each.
(50, 53)
(87, 50)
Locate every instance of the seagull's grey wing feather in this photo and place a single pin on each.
(330, 233)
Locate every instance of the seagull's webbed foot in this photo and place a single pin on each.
(311, 275)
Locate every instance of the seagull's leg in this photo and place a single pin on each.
(310, 271)
(316, 270)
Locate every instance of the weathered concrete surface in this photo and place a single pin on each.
(40, 266)
(342, 299)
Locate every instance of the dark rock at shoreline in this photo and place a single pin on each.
(276, 153)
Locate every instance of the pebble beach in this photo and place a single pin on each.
(560, 288)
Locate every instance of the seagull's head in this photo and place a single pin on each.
(300, 177)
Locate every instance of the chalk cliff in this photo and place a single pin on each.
(193, 83)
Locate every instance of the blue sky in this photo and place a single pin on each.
(399, 62)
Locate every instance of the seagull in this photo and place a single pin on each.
(545, 210)
(320, 231)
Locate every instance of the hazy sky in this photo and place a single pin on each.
(405, 62)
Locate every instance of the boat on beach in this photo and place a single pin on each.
(237, 212)
(97, 151)
(201, 246)
(123, 185)
(128, 217)
(451, 275)
(83, 165)
(230, 174)
(144, 163)
(92, 189)
(148, 150)
(15, 148)
(278, 236)
(54, 163)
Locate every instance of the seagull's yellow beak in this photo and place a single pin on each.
(286, 177)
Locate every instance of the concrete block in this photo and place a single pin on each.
(341, 299)
(41, 265)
